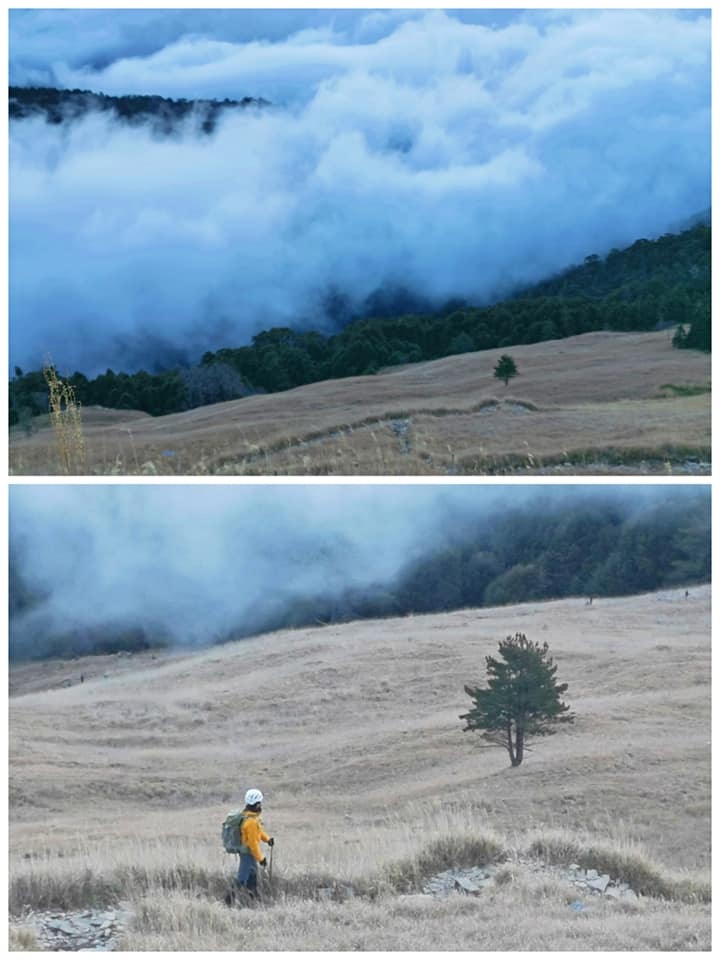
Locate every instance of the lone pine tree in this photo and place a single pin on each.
(505, 368)
(521, 699)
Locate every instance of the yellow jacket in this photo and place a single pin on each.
(253, 833)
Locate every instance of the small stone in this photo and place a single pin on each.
(466, 886)
(629, 895)
(592, 874)
(325, 893)
(600, 884)
(61, 926)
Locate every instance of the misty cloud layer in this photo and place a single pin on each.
(199, 563)
(450, 158)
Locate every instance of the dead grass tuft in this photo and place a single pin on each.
(46, 884)
(21, 938)
(40, 887)
(629, 864)
(410, 874)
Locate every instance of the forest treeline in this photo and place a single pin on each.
(538, 551)
(163, 114)
(649, 285)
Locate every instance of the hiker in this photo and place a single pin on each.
(252, 834)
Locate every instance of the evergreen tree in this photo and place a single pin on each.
(521, 700)
(505, 368)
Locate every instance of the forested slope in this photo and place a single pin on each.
(665, 282)
(163, 114)
(600, 548)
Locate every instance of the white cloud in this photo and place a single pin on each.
(135, 550)
(448, 157)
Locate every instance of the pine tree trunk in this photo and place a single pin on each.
(510, 745)
(519, 745)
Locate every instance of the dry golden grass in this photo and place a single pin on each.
(600, 402)
(65, 422)
(353, 734)
(22, 938)
(527, 916)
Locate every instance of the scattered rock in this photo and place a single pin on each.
(600, 883)
(475, 880)
(469, 881)
(466, 886)
(400, 428)
(61, 926)
(83, 930)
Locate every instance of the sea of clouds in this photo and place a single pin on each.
(446, 154)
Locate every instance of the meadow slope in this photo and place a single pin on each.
(118, 784)
(600, 402)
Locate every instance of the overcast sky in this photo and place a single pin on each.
(453, 154)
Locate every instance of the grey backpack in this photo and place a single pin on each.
(232, 832)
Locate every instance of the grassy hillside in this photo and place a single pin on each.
(353, 734)
(597, 403)
(651, 285)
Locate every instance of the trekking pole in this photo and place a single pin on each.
(272, 848)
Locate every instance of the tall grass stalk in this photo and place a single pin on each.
(66, 421)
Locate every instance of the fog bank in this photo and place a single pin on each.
(200, 563)
(449, 158)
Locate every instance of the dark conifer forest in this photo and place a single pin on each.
(163, 114)
(530, 552)
(652, 284)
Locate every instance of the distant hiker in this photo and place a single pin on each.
(82, 678)
(588, 602)
(247, 829)
(687, 594)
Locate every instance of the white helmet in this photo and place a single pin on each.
(252, 797)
